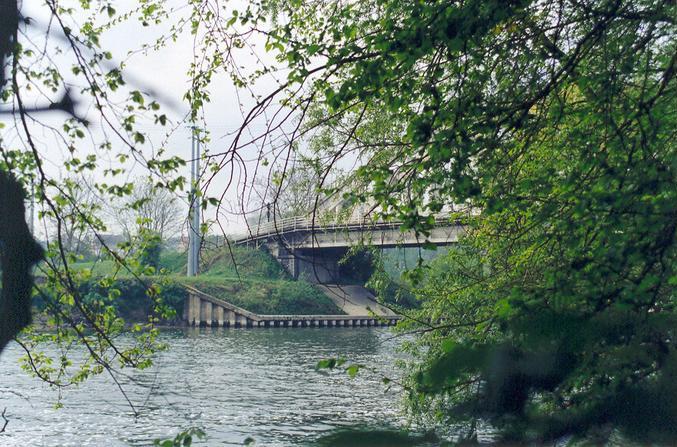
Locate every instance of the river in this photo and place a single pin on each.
(232, 383)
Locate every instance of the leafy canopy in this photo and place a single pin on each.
(554, 123)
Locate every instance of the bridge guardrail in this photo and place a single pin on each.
(291, 224)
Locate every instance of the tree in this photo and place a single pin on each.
(287, 192)
(556, 122)
(77, 234)
(37, 92)
(18, 253)
(152, 209)
(18, 250)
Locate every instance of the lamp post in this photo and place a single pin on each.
(194, 215)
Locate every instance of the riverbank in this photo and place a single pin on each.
(250, 279)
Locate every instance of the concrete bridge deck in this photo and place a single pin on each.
(202, 309)
(307, 233)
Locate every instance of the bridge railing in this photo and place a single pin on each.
(292, 224)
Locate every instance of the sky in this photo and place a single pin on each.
(163, 73)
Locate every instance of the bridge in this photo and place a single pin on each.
(311, 249)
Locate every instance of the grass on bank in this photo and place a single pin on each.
(250, 279)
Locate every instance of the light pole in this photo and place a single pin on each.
(194, 215)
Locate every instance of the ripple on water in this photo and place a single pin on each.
(232, 383)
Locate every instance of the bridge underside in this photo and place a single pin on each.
(317, 266)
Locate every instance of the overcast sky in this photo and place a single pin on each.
(164, 73)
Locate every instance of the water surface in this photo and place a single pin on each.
(232, 383)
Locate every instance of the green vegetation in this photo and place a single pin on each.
(375, 437)
(269, 296)
(245, 263)
(549, 127)
(261, 287)
(376, 270)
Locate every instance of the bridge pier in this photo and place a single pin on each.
(218, 315)
(192, 309)
(230, 318)
(314, 265)
(206, 313)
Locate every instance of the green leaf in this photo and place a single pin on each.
(352, 370)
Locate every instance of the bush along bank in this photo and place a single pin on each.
(251, 279)
(133, 299)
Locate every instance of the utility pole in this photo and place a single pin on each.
(194, 220)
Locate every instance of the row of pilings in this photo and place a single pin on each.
(201, 309)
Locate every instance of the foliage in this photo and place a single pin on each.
(269, 297)
(236, 261)
(288, 193)
(94, 320)
(35, 81)
(185, 438)
(553, 123)
(173, 261)
(149, 209)
(375, 437)
(357, 265)
(18, 253)
(150, 248)
(369, 267)
(261, 287)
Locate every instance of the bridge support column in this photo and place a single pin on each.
(286, 257)
(319, 266)
(218, 315)
(206, 313)
(230, 318)
(192, 309)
